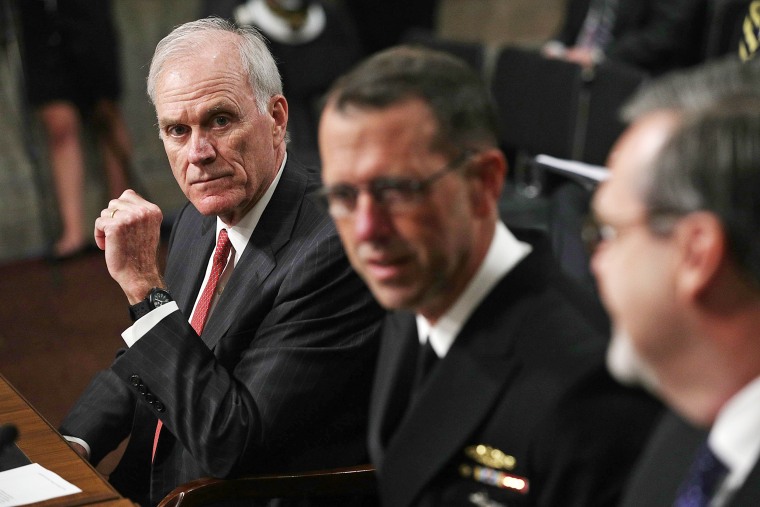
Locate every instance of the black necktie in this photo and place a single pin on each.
(705, 474)
(426, 358)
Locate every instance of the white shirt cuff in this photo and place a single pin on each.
(80, 442)
(147, 321)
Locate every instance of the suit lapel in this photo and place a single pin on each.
(190, 257)
(394, 378)
(457, 398)
(254, 266)
(259, 258)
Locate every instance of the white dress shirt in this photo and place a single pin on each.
(735, 439)
(259, 14)
(239, 236)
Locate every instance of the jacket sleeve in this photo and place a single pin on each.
(273, 402)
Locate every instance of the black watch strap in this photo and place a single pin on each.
(140, 309)
(155, 298)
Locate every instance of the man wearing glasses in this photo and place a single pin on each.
(490, 387)
(678, 267)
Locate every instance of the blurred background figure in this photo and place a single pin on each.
(652, 35)
(313, 42)
(678, 271)
(72, 75)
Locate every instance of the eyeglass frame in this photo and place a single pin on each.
(411, 189)
(659, 222)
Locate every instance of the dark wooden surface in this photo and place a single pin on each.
(42, 444)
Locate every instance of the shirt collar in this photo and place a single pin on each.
(241, 233)
(504, 253)
(734, 437)
(257, 13)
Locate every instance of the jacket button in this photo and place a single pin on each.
(135, 380)
(159, 406)
(149, 397)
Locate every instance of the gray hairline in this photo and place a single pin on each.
(263, 75)
(686, 92)
(673, 185)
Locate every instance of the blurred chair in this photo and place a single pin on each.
(554, 107)
(611, 84)
(569, 196)
(537, 99)
(538, 105)
(606, 89)
(357, 481)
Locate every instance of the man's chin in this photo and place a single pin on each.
(625, 364)
(218, 205)
(394, 297)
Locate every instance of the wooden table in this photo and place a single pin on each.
(44, 445)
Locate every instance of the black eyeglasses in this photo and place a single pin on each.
(594, 232)
(396, 195)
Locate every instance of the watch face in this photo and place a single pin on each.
(159, 298)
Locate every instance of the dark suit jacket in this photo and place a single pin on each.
(281, 377)
(653, 35)
(665, 463)
(526, 375)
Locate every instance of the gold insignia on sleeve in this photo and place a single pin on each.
(490, 457)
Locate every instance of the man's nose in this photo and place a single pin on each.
(201, 149)
(371, 220)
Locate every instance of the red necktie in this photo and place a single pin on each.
(223, 246)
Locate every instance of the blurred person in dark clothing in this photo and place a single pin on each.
(313, 42)
(70, 51)
(652, 35)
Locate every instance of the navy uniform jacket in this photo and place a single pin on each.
(525, 379)
(279, 380)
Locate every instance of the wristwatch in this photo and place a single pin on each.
(155, 298)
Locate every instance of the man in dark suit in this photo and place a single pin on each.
(678, 270)
(652, 35)
(272, 373)
(511, 403)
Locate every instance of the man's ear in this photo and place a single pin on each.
(278, 107)
(487, 170)
(703, 246)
